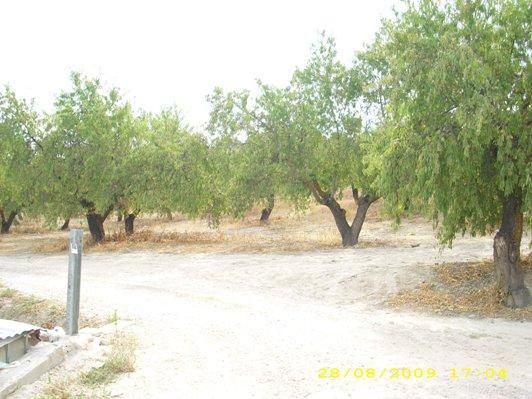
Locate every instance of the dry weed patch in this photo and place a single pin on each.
(30, 309)
(120, 360)
(238, 239)
(287, 231)
(93, 383)
(140, 240)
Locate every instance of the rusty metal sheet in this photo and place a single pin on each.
(10, 329)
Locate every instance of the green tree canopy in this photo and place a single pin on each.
(458, 132)
(169, 169)
(303, 140)
(86, 147)
(20, 137)
(100, 156)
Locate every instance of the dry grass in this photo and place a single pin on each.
(68, 388)
(32, 228)
(144, 239)
(92, 383)
(29, 309)
(37, 311)
(147, 238)
(120, 360)
(60, 389)
(462, 288)
(287, 231)
(184, 236)
(51, 246)
(214, 242)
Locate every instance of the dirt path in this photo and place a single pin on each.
(261, 326)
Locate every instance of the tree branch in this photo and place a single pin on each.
(107, 212)
(315, 190)
(355, 193)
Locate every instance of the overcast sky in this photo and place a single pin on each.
(161, 53)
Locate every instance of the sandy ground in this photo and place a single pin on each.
(262, 325)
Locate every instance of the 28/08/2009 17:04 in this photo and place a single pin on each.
(411, 372)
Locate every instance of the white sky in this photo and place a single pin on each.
(161, 53)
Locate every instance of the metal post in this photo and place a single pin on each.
(74, 280)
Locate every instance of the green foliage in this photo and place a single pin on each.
(286, 141)
(99, 156)
(19, 141)
(372, 65)
(85, 149)
(458, 132)
(246, 146)
(327, 125)
(171, 167)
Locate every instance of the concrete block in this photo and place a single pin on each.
(36, 362)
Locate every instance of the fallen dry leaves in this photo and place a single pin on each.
(462, 288)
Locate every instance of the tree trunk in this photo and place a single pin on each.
(65, 225)
(6, 223)
(129, 223)
(363, 205)
(349, 233)
(506, 255)
(95, 222)
(266, 212)
(341, 221)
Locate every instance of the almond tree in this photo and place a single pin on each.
(309, 134)
(166, 169)
(246, 147)
(19, 142)
(85, 149)
(459, 129)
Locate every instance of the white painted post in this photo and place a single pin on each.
(74, 280)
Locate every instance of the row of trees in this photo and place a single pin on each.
(94, 156)
(434, 114)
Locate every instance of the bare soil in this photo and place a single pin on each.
(261, 325)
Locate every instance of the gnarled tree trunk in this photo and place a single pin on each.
(348, 240)
(95, 222)
(266, 212)
(349, 233)
(6, 223)
(363, 205)
(129, 222)
(506, 255)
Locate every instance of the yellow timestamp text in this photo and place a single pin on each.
(406, 373)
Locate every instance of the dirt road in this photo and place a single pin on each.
(261, 326)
